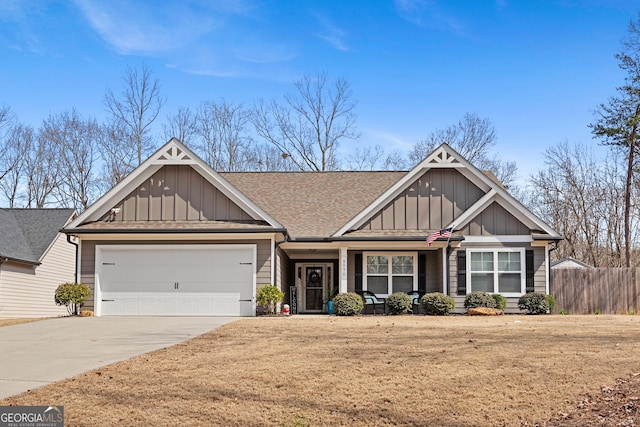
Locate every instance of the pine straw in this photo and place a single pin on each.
(359, 371)
(10, 322)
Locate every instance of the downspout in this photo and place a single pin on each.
(276, 244)
(2, 261)
(75, 270)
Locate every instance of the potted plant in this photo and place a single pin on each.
(330, 296)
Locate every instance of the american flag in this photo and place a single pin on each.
(444, 233)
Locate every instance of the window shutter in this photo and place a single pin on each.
(422, 272)
(358, 270)
(530, 273)
(462, 272)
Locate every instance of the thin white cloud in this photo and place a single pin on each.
(331, 33)
(23, 25)
(428, 14)
(139, 27)
(197, 36)
(388, 139)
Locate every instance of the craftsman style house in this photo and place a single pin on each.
(177, 238)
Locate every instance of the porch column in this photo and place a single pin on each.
(445, 271)
(342, 288)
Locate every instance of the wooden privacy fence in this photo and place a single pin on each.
(588, 290)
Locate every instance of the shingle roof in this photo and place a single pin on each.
(25, 234)
(312, 204)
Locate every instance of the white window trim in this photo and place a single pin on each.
(389, 273)
(495, 250)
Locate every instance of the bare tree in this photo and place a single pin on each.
(222, 139)
(579, 195)
(134, 110)
(14, 159)
(42, 169)
(75, 139)
(7, 160)
(473, 138)
(618, 121)
(375, 158)
(118, 157)
(267, 158)
(181, 125)
(309, 125)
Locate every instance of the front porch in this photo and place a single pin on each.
(311, 277)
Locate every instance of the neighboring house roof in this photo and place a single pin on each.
(313, 204)
(28, 233)
(569, 263)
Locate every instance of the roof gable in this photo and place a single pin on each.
(27, 234)
(176, 193)
(172, 154)
(431, 202)
(446, 158)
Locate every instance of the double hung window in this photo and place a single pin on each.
(389, 272)
(496, 271)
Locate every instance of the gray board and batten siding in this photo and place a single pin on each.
(430, 203)
(178, 193)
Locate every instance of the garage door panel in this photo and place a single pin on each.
(194, 280)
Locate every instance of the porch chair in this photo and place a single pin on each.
(416, 307)
(373, 302)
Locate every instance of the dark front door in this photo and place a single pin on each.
(314, 289)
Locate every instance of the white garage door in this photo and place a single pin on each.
(178, 280)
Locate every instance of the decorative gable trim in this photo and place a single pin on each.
(172, 153)
(442, 157)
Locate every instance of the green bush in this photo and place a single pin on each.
(501, 301)
(534, 303)
(268, 296)
(552, 302)
(400, 303)
(72, 295)
(437, 304)
(479, 299)
(347, 304)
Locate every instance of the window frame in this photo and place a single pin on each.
(390, 275)
(496, 271)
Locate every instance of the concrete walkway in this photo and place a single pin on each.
(38, 353)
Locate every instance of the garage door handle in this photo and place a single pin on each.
(108, 300)
(249, 300)
(246, 263)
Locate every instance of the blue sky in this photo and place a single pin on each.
(536, 69)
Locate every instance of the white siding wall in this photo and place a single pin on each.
(27, 291)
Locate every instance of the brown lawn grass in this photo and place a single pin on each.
(9, 322)
(359, 371)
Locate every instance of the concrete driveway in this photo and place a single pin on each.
(38, 353)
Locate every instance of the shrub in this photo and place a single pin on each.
(400, 303)
(268, 296)
(501, 301)
(72, 295)
(552, 302)
(437, 304)
(347, 304)
(479, 299)
(564, 311)
(534, 303)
